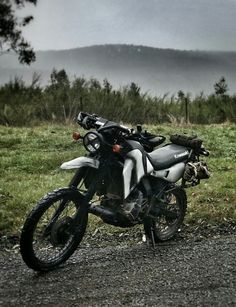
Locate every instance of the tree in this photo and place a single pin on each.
(134, 90)
(107, 86)
(181, 95)
(221, 87)
(59, 78)
(11, 30)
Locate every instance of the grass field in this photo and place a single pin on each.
(30, 160)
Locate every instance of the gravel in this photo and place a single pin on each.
(196, 269)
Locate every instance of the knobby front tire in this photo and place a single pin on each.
(48, 238)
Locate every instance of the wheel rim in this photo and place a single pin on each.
(166, 225)
(53, 235)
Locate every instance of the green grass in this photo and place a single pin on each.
(30, 160)
(29, 165)
(214, 200)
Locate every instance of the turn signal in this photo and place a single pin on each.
(116, 148)
(76, 136)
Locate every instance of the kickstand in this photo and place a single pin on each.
(152, 239)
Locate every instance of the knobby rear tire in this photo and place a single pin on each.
(152, 226)
(27, 241)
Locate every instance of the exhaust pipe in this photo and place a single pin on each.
(102, 212)
(110, 217)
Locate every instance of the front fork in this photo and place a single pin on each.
(88, 195)
(78, 177)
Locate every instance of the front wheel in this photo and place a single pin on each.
(167, 223)
(49, 235)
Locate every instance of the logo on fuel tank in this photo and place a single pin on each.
(182, 154)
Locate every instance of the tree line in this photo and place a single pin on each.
(61, 100)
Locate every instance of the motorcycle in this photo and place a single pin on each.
(124, 180)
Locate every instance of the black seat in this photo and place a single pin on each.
(167, 156)
(154, 141)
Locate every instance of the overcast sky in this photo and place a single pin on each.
(179, 24)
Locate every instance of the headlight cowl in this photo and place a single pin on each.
(92, 142)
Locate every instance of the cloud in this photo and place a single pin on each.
(180, 24)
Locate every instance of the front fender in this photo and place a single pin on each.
(80, 162)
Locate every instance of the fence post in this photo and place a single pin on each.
(186, 110)
(81, 103)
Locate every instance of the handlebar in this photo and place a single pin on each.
(116, 126)
(149, 141)
(88, 121)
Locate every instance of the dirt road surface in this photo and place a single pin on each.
(182, 273)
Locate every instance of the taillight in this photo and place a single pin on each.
(76, 136)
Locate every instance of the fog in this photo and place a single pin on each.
(178, 24)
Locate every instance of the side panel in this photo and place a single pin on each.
(171, 174)
(134, 161)
(127, 174)
(80, 162)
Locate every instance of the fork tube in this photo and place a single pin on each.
(81, 213)
(100, 174)
(78, 176)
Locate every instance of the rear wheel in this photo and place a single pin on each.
(166, 224)
(49, 236)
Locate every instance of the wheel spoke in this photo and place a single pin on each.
(51, 236)
(172, 208)
(55, 216)
(48, 236)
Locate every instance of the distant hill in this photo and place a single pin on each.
(157, 71)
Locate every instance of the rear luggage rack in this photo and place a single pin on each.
(185, 140)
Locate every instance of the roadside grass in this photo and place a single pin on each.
(30, 160)
(29, 164)
(214, 200)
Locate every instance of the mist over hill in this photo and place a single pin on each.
(157, 71)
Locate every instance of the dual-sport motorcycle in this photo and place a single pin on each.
(124, 180)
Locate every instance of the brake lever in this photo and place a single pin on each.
(204, 152)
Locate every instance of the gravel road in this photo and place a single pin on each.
(179, 273)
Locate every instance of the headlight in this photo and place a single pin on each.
(92, 142)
